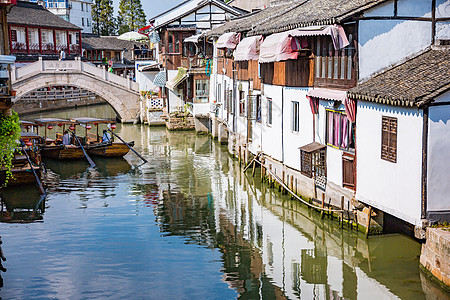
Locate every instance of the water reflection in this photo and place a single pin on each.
(189, 224)
(21, 204)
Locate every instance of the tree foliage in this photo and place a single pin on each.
(103, 17)
(131, 16)
(9, 141)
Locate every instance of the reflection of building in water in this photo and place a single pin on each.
(309, 257)
(21, 205)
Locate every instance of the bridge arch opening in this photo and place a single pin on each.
(48, 97)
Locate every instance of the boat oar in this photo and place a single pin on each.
(38, 180)
(140, 156)
(90, 161)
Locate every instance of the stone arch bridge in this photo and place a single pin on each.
(121, 93)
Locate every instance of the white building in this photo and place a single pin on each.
(77, 12)
(292, 105)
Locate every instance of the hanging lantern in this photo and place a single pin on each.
(29, 144)
(40, 125)
(28, 127)
(50, 127)
(72, 127)
(96, 124)
(60, 125)
(26, 140)
(113, 126)
(88, 127)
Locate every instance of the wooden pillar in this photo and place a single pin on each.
(68, 42)
(10, 40)
(27, 42)
(54, 42)
(81, 44)
(40, 40)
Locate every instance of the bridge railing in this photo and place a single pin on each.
(71, 66)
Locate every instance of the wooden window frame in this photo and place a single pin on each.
(269, 112)
(242, 103)
(349, 171)
(313, 164)
(389, 129)
(295, 116)
(351, 127)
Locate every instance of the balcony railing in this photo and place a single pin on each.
(143, 54)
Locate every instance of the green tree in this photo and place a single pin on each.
(103, 17)
(131, 16)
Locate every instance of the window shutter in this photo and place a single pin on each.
(389, 139)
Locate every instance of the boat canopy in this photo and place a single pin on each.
(86, 120)
(25, 123)
(52, 121)
(29, 135)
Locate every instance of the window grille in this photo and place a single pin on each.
(389, 139)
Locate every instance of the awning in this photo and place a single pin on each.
(152, 67)
(336, 32)
(328, 94)
(248, 48)
(160, 79)
(312, 147)
(181, 76)
(277, 47)
(193, 38)
(228, 40)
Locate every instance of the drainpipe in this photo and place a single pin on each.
(424, 162)
(282, 125)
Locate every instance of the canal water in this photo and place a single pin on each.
(188, 225)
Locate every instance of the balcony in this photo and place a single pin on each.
(143, 54)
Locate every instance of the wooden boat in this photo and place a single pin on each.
(94, 144)
(53, 148)
(22, 171)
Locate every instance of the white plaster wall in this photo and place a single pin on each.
(294, 140)
(175, 101)
(271, 140)
(392, 187)
(386, 42)
(438, 177)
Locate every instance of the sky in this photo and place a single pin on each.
(153, 7)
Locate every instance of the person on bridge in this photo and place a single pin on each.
(106, 137)
(62, 55)
(66, 138)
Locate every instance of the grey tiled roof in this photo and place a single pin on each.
(315, 12)
(413, 83)
(33, 14)
(107, 43)
(248, 22)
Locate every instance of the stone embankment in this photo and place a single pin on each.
(435, 257)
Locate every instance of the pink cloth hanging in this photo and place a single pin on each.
(344, 123)
(350, 109)
(337, 119)
(314, 103)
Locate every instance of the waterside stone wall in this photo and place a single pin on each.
(435, 256)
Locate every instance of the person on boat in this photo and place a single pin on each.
(106, 137)
(66, 138)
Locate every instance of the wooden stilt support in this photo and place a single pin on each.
(322, 214)
(355, 212)
(369, 216)
(329, 209)
(254, 168)
(342, 213)
(348, 213)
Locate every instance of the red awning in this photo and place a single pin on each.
(248, 48)
(277, 47)
(228, 40)
(336, 32)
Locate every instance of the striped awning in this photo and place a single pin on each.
(228, 40)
